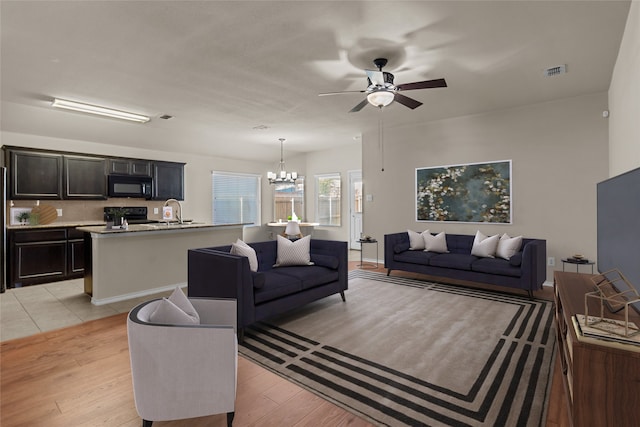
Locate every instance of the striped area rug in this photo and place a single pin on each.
(408, 352)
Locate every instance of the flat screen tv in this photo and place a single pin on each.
(619, 226)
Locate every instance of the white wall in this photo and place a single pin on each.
(341, 160)
(624, 100)
(559, 152)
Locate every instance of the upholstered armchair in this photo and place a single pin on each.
(184, 370)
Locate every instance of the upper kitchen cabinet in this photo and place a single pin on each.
(168, 180)
(35, 175)
(84, 177)
(130, 167)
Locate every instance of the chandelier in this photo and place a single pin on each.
(282, 177)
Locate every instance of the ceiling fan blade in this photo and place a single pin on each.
(340, 93)
(407, 102)
(427, 84)
(376, 77)
(359, 106)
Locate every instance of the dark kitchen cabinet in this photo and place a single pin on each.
(75, 252)
(44, 255)
(130, 167)
(35, 175)
(84, 177)
(168, 180)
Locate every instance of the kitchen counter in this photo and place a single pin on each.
(145, 258)
(153, 227)
(61, 224)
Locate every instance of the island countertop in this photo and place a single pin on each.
(153, 227)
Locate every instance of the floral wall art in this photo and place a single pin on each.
(475, 192)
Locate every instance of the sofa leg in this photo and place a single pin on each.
(230, 416)
(530, 293)
(388, 272)
(342, 295)
(146, 423)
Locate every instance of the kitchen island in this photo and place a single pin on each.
(145, 258)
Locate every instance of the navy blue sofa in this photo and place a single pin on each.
(525, 270)
(215, 272)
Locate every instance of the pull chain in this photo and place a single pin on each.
(381, 140)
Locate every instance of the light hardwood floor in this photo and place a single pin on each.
(80, 376)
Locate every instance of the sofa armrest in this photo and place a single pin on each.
(534, 256)
(217, 274)
(390, 242)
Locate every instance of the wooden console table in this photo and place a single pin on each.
(601, 379)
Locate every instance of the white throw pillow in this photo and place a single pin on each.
(242, 249)
(484, 246)
(293, 252)
(508, 246)
(175, 310)
(437, 243)
(416, 240)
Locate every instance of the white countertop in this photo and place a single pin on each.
(154, 227)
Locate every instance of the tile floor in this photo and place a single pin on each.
(39, 308)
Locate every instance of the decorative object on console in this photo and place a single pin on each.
(292, 230)
(282, 176)
(474, 192)
(614, 290)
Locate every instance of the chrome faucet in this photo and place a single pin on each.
(179, 211)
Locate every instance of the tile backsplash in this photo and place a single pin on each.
(87, 210)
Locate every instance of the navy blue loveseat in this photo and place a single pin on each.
(215, 272)
(525, 270)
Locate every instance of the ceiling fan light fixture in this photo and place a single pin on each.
(380, 98)
(98, 110)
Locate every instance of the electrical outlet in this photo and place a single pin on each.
(155, 211)
(59, 212)
(551, 261)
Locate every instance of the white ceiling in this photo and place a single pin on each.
(238, 75)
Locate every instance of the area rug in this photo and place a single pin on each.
(408, 352)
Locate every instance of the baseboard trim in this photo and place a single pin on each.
(139, 294)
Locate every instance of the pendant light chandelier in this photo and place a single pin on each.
(282, 177)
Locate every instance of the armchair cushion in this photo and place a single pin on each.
(175, 310)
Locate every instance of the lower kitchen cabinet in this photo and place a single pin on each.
(44, 255)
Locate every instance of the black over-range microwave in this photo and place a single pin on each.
(130, 186)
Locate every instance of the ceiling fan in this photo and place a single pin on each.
(381, 91)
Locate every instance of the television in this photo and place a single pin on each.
(618, 220)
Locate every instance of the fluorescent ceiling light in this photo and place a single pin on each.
(101, 111)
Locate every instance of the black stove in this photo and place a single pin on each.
(133, 214)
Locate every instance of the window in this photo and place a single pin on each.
(236, 198)
(288, 198)
(328, 199)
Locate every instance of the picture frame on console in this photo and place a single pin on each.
(470, 193)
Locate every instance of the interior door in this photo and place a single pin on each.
(355, 207)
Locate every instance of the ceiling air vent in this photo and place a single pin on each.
(554, 71)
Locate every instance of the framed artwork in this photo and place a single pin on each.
(474, 192)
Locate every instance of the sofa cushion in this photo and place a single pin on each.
(242, 249)
(508, 246)
(258, 279)
(496, 266)
(401, 247)
(416, 240)
(516, 259)
(328, 261)
(437, 243)
(484, 246)
(456, 261)
(309, 276)
(293, 253)
(415, 257)
(276, 286)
